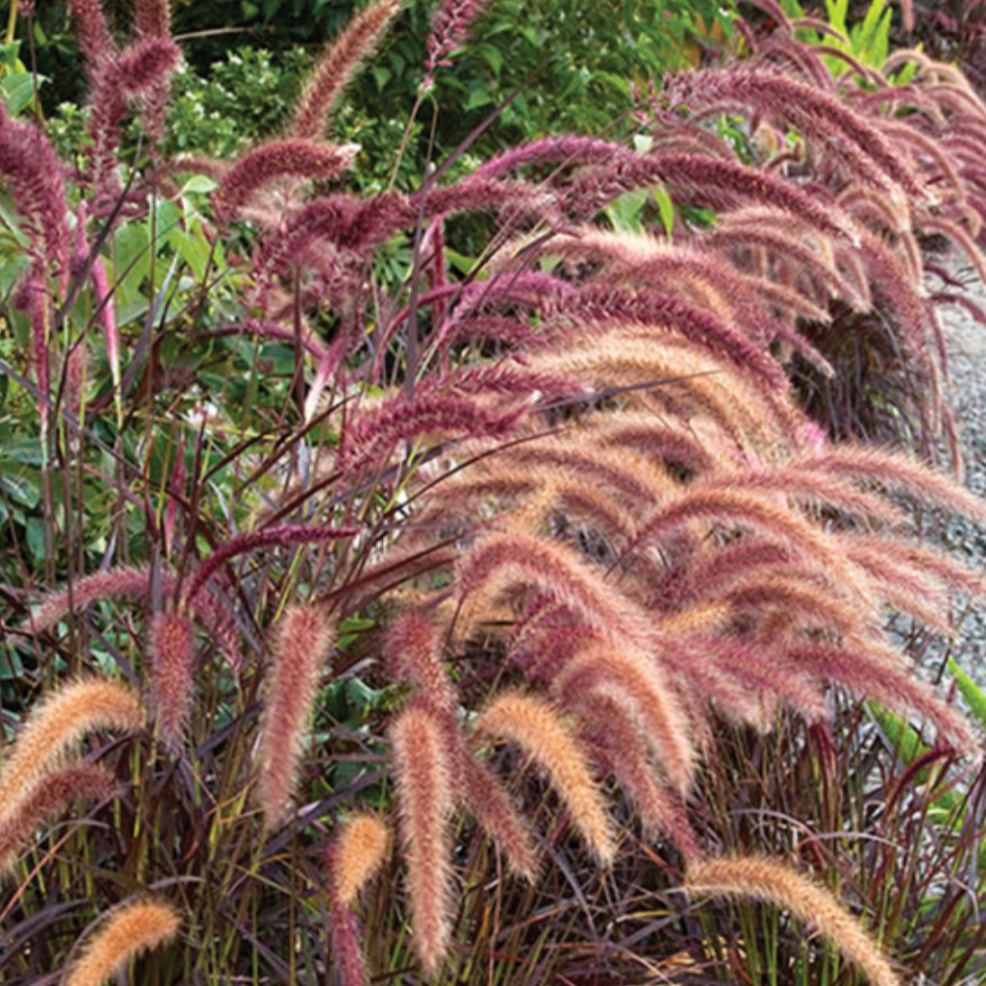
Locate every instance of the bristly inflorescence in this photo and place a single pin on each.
(575, 483)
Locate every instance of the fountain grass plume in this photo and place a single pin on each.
(53, 793)
(172, 672)
(356, 855)
(775, 882)
(53, 728)
(283, 536)
(337, 67)
(541, 732)
(128, 931)
(425, 775)
(303, 640)
(295, 157)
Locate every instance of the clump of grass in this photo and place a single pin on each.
(545, 501)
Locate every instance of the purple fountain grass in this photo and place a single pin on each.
(894, 688)
(568, 151)
(131, 73)
(172, 672)
(815, 112)
(734, 507)
(95, 37)
(712, 181)
(413, 657)
(637, 685)
(817, 269)
(283, 536)
(353, 859)
(54, 792)
(298, 656)
(541, 732)
(337, 67)
(897, 471)
(656, 308)
(449, 28)
(762, 878)
(625, 754)
(794, 481)
(55, 726)
(371, 438)
(128, 931)
(346, 949)
(484, 797)
(296, 158)
(32, 177)
(424, 775)
(152, 19)
(130, 582)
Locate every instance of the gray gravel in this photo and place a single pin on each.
(967, 354)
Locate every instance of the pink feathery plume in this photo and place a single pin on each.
(816, 112)
(655, 307)
(295, 157)
(424, 774)
(152, 19)
(893, 687)
(710, 180)
(32, 176)
(372, 438)
(51, 795)
(301, 648)
(128, 75)
(172, 672)
(341, 220)
(336, 69)
(95, 38)
(478, 194)
(284, 536)
(413, 657)
(571, 151)
(449, 28)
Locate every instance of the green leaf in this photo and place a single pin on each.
(18, 91)
(666, 207)
(381, 75)
(971, 692)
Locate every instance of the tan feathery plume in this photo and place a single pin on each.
(540, 731)
(424, 774)
(128, 932)
(301, 647)
(353, 858)
(58, 723)
(672, 379)
(53, 793)
(336, 68)
(765, 879)
(358, 853)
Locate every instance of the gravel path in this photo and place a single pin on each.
(967, 354)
